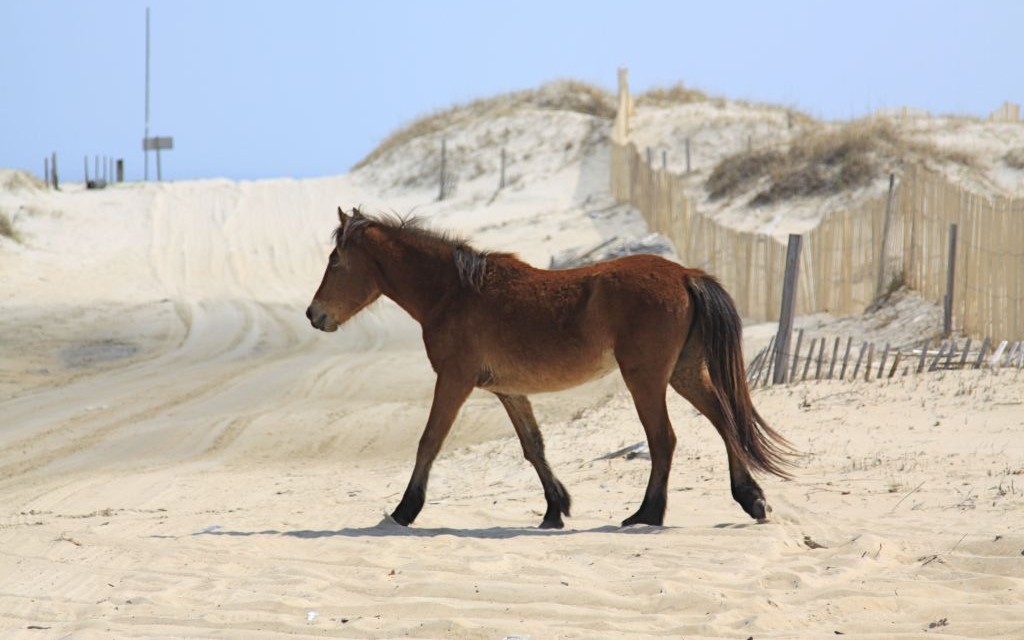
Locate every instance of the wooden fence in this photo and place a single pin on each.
(838, 359)
(989, 285)
(839, 263)
(852, 256)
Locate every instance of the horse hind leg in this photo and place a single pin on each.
(648, 391)
(520, 412)
(692, 381)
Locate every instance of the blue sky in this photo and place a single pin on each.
(308, 87)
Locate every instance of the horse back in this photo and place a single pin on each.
(530, 330)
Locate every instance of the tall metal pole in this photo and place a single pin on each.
(145, 153)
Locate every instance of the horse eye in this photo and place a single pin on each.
(334, 259)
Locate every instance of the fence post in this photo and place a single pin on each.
(53, 171)
(86, 164)
(46, 170)
(788, 302)
(881, 285)
(947, 302)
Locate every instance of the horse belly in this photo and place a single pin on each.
(554, 372)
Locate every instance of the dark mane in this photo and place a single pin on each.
(470, 262)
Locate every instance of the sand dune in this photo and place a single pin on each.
(182, 456)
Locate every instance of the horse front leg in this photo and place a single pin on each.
(449, 394)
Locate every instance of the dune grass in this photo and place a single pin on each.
(7, 228)
(1014, 158)
(560, 95)
(673, 95)
(823, 161)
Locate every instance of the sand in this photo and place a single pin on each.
(181, 455)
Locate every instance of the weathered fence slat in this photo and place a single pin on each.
(796, 354)
(867, 365)
(895, 363)
(981, 353)
(846, 358)
(860, 358)
(807, 361)
(924, 354)
(997, 356)
(938, 356)
(835, 356)
(963, 356)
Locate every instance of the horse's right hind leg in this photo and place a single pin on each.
(520, 412)
(691, 380)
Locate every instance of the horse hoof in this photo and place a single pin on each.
(401, 520)
(636, 518)
(760, 511)
(552, 524)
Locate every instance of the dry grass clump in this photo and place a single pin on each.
(832, 162)
(738, 173)
(560, 95)
(823, 162)
(7, 228)
(1014, 158)
(15, 180)
(668, 96)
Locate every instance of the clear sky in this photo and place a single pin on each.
(253, 89)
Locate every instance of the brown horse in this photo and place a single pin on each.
(493, 322)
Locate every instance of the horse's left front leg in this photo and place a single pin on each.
(449, 394)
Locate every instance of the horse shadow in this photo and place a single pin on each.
(389, 530)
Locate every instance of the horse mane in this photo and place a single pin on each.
(470, 262)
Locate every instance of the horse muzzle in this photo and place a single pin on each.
(320, 319)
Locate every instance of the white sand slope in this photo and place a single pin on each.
(181, 455)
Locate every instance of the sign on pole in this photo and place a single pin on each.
(156, 143)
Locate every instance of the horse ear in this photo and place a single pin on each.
(342, 218)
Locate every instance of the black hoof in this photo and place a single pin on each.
(400, 519)
(759, 511)
(642, 518)
(558, 501)
(552, 524)
(651, 511)
(410, 506)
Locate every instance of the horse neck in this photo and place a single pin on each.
(416, 273)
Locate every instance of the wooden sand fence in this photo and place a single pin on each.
(853, 256)
(826, 358)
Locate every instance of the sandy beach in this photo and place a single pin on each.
(181, 455)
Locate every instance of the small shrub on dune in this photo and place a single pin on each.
(1015, 158)
(823, 162)
(669, 96)
(738, 173)
(7, 228)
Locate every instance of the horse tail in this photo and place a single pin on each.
(745, 432)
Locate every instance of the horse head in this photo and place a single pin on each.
(350, 281)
